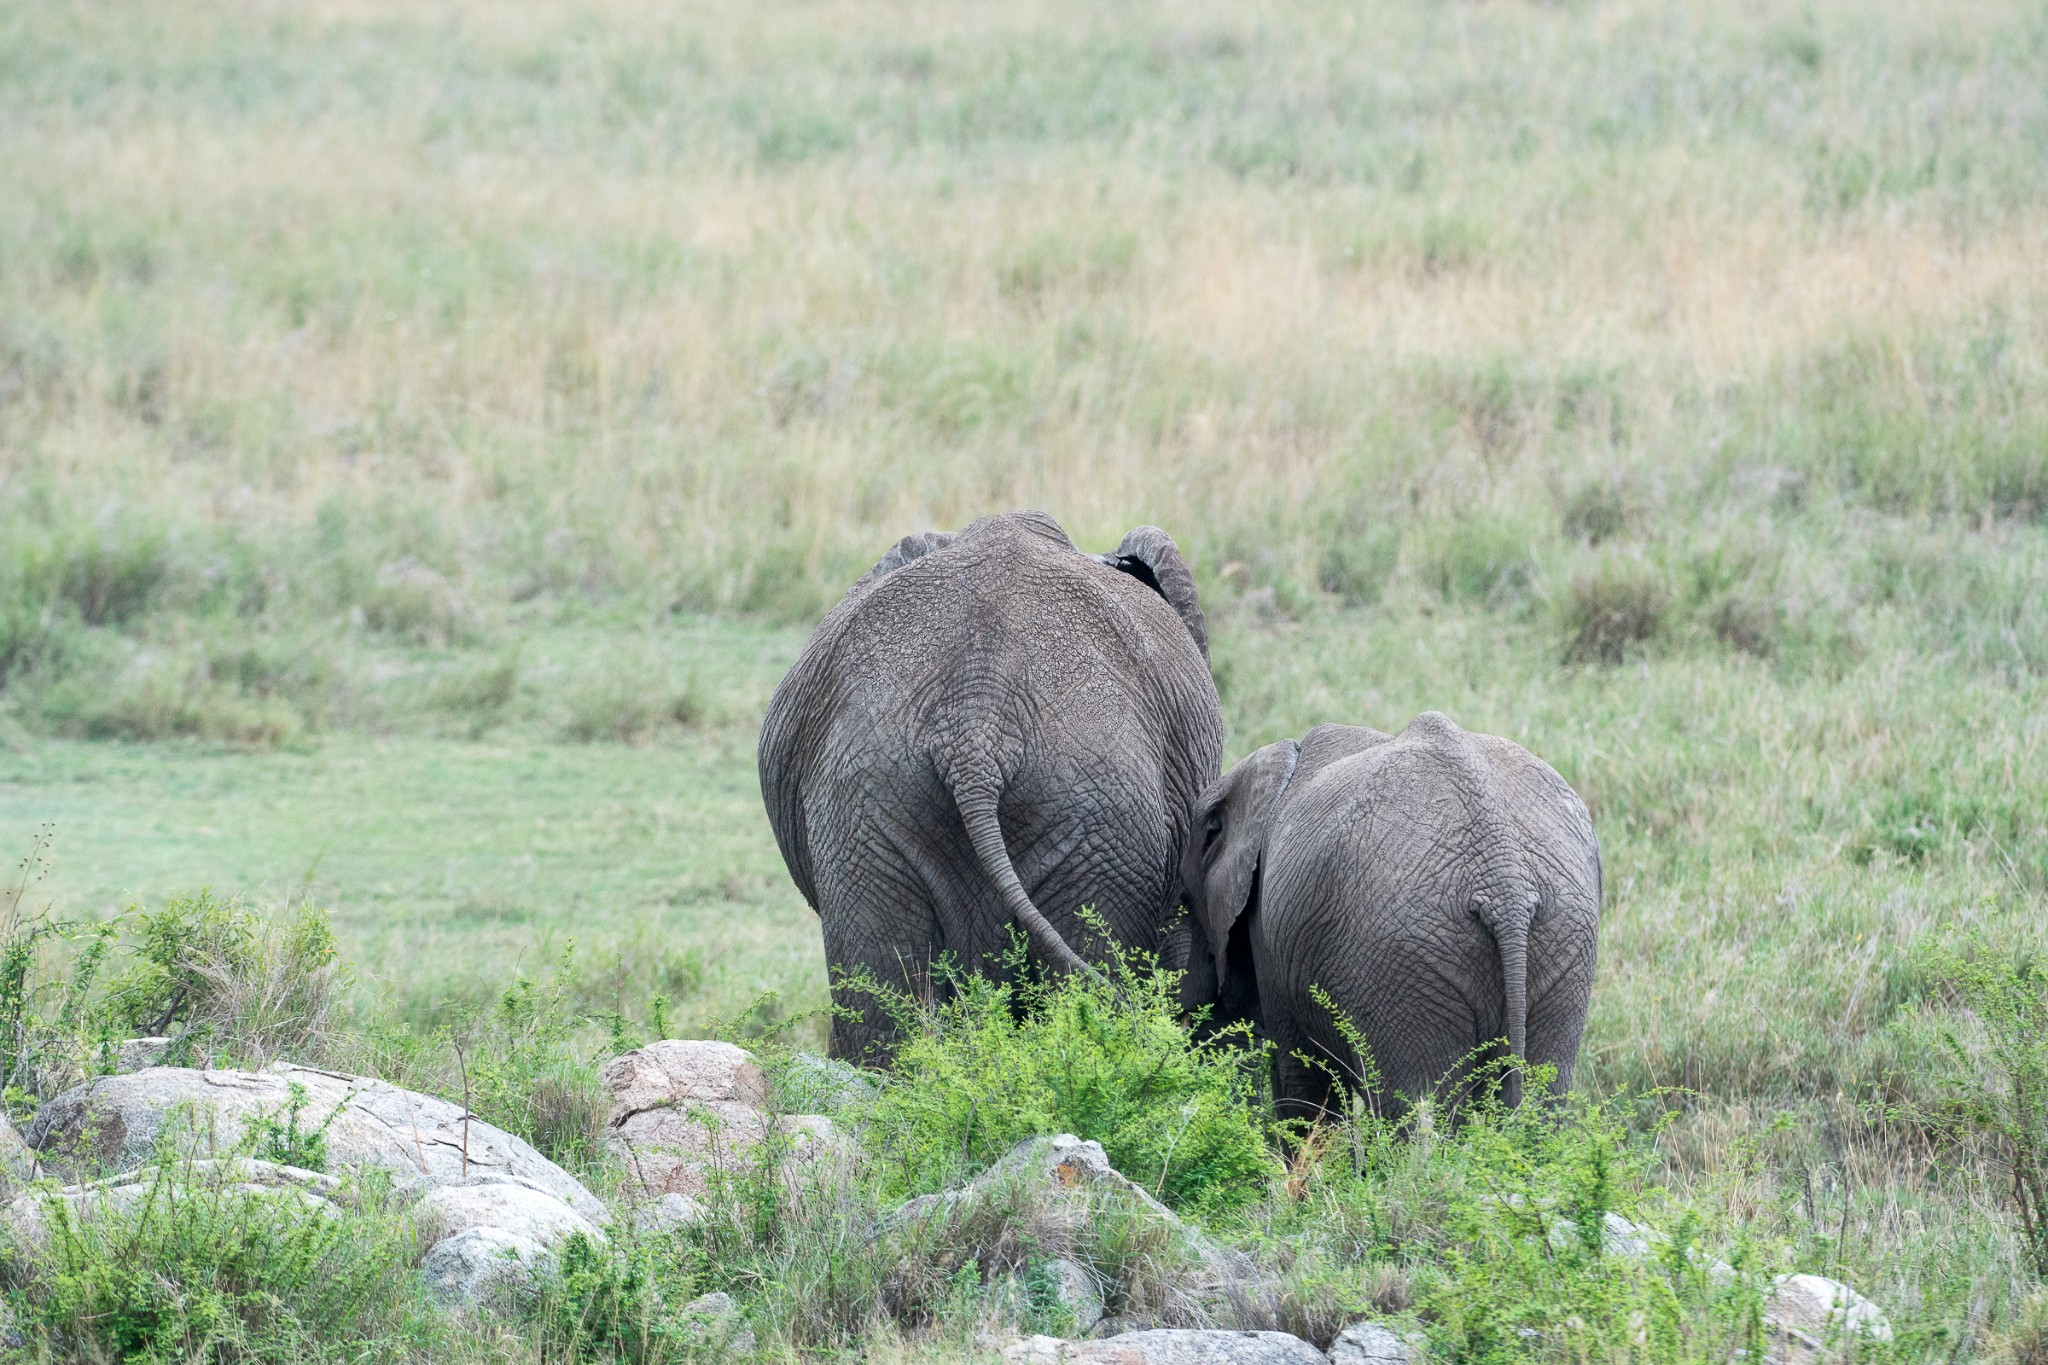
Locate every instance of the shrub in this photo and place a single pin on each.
(628, 702)
(1106, 1058)
(1478, 557)
(1601, 512)
(1499, 1233)
(621, 1301)
(199, 1270)
(521, 1067)
(1355, 566)
(1611, 610)
(236, 987)
(1990, 1084)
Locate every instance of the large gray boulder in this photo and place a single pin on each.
(1167, 1346)
(116, 1122)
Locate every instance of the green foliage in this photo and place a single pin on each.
(622, 1301)
(178, 952)
(1612, 611)
(1989, 1096)
(526, 1065)
(1105, 1058)
(1501, 1231)
(281, 1137)
(198, 1270)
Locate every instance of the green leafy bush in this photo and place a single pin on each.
(198, 1270)
(1501, 1237)
(525, 1065)
(622, 1301)
(1106, 1058)
(1989, 1089)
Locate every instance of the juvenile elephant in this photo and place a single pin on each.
(1443, 889)
(992, 728)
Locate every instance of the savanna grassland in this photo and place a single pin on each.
(428, 430)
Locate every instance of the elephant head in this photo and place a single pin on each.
(1220, 877)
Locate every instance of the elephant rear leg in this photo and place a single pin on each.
(1304, 1086)
(881, 941)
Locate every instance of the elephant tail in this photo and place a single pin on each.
(977, 803)
(1511, 936)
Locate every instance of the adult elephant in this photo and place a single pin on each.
(1441, 889)
(992, 728)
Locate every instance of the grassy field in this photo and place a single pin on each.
(427, 431)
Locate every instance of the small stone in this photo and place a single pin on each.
(1368, 1343)
(1076, 1292)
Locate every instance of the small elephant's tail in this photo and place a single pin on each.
(1511, 936)
(977, 803)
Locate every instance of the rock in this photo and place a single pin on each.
(1167, 1346)
(1368, 1343)
(1810, 1313)
(670, 1213)
(139, 1054)
(683, 1110)
(1057, 1165)
(28, 1216)
(17, 1158)
(484, 1267)
(508, 1205)
(1075, 1290)
(720, 1322)
(1056, 1194)
(114, 1122)
(678, 1071)
(822, 1085)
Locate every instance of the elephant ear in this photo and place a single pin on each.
(1220, 868)
(901, 553)
(1149, 555)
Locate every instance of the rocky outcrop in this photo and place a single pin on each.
(685, 1110)
(491, 1210)
(1167, 1346)
(119, 1122)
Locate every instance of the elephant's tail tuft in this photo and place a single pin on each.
(977, 803)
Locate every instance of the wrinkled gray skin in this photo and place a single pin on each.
(993, 729)
(1442, 887)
